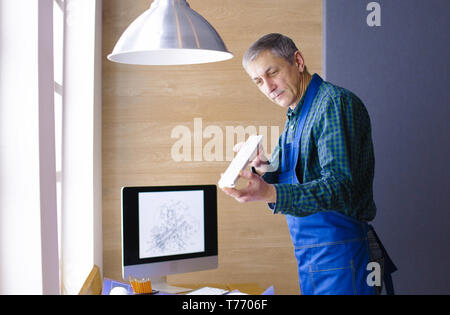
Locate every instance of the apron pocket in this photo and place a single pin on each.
(336, 278)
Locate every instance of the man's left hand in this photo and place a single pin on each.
(257, 189)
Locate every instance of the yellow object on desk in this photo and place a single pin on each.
(141, 286)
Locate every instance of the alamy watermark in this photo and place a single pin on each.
(373, 279)
(374, 17)
(214, 143)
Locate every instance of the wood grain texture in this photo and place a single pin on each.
(143, 104)
(93, 284)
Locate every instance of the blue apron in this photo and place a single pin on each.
(331, 249)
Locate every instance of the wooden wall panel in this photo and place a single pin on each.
(143, 104)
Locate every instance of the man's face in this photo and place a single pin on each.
(276, 78)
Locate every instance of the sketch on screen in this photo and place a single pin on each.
(170, 223)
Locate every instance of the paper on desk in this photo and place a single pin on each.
(208, 291)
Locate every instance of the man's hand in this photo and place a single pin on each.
(257, 189)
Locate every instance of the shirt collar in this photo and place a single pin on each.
(296, 111)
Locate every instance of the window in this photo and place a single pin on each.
(50, 162)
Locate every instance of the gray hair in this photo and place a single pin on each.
(280, 45)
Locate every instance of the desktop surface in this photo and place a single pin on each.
(247, 288)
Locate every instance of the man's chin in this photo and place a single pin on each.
(285, 104)
(282, 104)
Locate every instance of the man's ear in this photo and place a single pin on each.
(299, 61)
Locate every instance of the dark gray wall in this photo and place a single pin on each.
(401, 71)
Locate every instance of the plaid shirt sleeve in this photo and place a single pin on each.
(272, 177)
(340, 170)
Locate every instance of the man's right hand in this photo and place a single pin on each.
(260, 162)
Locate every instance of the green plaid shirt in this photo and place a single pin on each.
(336, 163)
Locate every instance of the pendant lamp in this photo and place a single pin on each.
(169, 33)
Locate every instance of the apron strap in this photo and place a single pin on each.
(311, 92)
(389, 266)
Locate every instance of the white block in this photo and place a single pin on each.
(240, 162)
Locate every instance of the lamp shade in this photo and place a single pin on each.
(169, 33)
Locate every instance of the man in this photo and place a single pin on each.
(320, 175)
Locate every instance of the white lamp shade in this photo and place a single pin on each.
(169, 33)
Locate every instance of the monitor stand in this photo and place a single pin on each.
(160, 284)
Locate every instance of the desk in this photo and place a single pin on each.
(249, 288)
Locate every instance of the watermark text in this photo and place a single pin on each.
(214, 143)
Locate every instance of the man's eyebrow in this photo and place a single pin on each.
(267, 70)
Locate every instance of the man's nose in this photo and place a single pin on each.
(269, 86)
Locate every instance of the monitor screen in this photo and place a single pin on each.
(168, 229)
(171, 223)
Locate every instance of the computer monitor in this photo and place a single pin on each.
(168, 230)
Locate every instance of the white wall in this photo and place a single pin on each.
(28, 253)
(81, 150)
